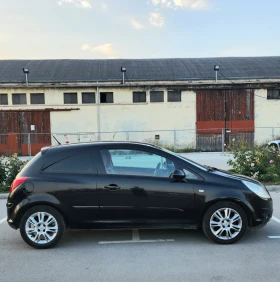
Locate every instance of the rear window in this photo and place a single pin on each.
(77, 164)
(30, 163)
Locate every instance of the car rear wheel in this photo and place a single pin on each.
(225, 222)
(42, 227)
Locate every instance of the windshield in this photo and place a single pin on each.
(185, 159)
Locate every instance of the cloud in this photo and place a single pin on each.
(106, 50)
(156, 19)
(136, 24)
(85, 4)
(77, 3)
(174, 4)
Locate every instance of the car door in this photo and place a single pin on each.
(135, 188)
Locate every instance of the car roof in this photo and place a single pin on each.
(274, 141)
(100, 143)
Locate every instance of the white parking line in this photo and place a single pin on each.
(275, 237)
(135, 239)
(276, 219)
(131, 241)
(3, 220)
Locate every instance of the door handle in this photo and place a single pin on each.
(112, 187)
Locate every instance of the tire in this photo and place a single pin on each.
(225, 222)
(45, 225)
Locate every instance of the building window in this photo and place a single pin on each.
(106, 97)
(3, 99)
(37, 98)
(139, 97)
(273, 94)
(156, 96)
(88, 98)
(70, 98)
(19, 99)
(174, 96)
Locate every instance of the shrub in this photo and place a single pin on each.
(9, 168)
(257, 163)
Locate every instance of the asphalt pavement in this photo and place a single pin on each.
(142, 255)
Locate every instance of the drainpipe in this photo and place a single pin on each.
(98, 112)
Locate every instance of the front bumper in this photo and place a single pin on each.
(266, 216)
(263, 214)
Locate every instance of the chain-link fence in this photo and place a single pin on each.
(206, 140)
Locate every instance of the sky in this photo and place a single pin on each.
(114, 29)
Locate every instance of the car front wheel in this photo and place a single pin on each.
(225, 222)
(42, 227)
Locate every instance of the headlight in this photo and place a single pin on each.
(257, 189)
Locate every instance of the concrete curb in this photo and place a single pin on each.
(4, 195)
(270, 188)
(273, 188)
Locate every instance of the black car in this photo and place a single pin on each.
(130, 185)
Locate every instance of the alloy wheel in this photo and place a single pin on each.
(41, 227)
(225, 223)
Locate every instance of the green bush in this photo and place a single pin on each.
(256, 162)
(9, 168)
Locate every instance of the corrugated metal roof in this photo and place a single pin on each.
(138, 69)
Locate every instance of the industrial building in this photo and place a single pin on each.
(199, 102)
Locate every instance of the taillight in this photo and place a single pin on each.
(17, 182)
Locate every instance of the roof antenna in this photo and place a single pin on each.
(56, 140)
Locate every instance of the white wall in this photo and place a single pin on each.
(122, 115)
(267, 113)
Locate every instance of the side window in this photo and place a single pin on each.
(134, 162)
(190, 175)
(77, 164)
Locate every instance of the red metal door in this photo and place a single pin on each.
(232, 110)
(16, 134)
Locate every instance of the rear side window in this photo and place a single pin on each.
(77, 164)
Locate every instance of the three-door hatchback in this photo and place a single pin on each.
(130, 185)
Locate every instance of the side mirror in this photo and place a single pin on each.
(178, 174)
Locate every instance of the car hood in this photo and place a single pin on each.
(233, 175)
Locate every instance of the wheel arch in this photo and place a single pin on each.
(247, 209)
(30, 205)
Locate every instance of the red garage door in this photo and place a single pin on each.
(16, 135)
(229, 109)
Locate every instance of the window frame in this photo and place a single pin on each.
(4, 95)
(88, 93)
(270, 96)
(70, 93)
(152, 94)
(169, 94)
(19, 95)
(38, 95)
(136, 95)
(106, 93)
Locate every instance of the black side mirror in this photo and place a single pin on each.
(178, 174)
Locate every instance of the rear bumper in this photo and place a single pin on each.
(11, 216)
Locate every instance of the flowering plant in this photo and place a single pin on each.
(256, 162)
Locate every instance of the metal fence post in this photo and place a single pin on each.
(223, 140)
(29, 145)
(272, 133)
(174, 141)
